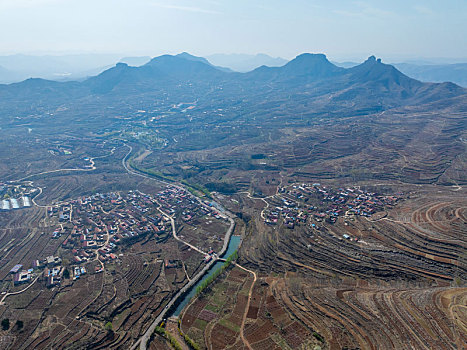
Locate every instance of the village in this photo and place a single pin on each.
(315, 204)
(97, 229)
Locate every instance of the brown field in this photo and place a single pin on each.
(214, 319)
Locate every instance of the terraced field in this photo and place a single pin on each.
(372, 317)
(406, 144)
(215, 319)
(398, 282)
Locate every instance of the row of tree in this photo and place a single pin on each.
(206, 282)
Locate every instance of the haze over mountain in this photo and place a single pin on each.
(190, 57)
(135, 61)
(309, 79)
(437, 73)
(244, 62)
(427, 71)
(16, 68)
(54, 67)
(370, 81)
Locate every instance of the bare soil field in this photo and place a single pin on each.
(214, 319)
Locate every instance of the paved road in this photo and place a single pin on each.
(18, 292)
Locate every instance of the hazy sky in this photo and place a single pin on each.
(341, 29)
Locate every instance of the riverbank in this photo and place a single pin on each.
(232, 247)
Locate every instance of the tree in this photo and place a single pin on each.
(108, 326)
(66, 273)
(19, 324)
(5, 324)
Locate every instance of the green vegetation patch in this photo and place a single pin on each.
(213, 307)
(216, 274)
(226, 323)
(173, 342)
(222, 187)
(200, 324)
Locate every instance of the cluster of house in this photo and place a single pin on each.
(102, 221)
(176, 200)
(51, 273)
(78, 271)
(21, 276)
(314, 202)
(95, 225)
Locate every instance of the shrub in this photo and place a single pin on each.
(108, 326)
(5, 324)
(318, 336)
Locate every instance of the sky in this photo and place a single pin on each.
(344, 30)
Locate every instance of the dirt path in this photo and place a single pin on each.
(242, 327)
(18, 292)
(259, 198)
(186, 273)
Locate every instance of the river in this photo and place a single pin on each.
(232, 247)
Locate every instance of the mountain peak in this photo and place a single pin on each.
(187, 56)
(383, 76)
(372, 60)
(312, 56)
(312, 65)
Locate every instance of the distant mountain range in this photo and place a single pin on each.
(308, 79)
(17, 68)
(456, 73)
(67, 67)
